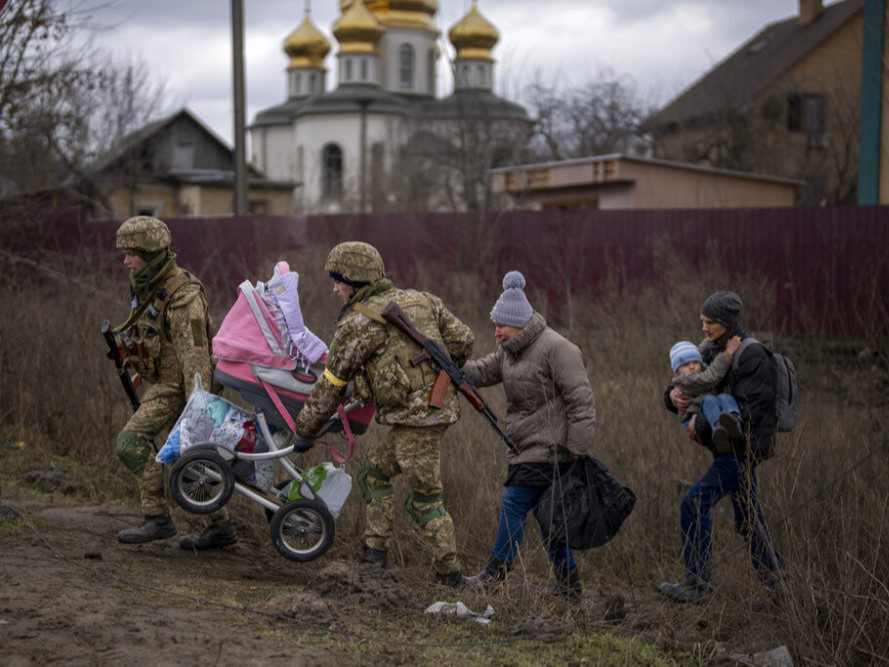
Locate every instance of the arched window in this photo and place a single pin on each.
(430, 72)
(331, 171)
(406, 66)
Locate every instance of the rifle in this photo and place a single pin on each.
(447, 369)
(122, 373)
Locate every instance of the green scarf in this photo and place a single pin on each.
(367, 291)
(140, 280)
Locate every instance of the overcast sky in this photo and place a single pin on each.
(663, 45)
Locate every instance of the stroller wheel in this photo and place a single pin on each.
(302, 530)
(201, 482)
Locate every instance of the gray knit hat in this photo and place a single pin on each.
(512, 308)
(722, 307)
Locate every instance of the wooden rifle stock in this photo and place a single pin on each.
(122, 373)
(447, 369)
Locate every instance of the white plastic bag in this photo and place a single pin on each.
(331, 483)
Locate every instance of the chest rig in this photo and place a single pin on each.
(144, 339)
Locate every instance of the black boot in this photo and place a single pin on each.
(452, 580)
(373, 556)
(158, 527)
(214, 536)
(494, 573)
(567, 583)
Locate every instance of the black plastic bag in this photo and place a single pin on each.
(584, 507)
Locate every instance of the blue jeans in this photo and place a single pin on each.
(728, 475)
(712, 405)
(515, 503)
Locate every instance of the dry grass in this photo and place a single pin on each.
(59, 393)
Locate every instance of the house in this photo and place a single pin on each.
(381, 139)
(175, 167)
(622, 181)
(787, 103)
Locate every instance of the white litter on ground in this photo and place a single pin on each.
(461, 609)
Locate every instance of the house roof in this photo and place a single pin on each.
(738, 79)
(146, 132)
(614, 157)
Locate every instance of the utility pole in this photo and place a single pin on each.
(240, 193)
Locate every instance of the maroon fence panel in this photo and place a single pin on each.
(829, 265)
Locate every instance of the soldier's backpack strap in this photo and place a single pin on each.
(369, 312)
(376, 315)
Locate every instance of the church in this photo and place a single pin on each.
(381, 140)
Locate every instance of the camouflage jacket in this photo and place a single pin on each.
(376, 356)
(166, 338)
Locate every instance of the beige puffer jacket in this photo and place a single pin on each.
(551, 411)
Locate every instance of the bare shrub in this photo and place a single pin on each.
(60, 393)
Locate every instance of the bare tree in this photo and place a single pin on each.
(603, 115)
(63, 103)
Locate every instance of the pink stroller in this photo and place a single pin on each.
(266, 354)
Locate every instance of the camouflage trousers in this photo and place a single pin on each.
(158, 412)
(413, 451)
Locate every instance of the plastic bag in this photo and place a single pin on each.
(209, 418)
(331, 483)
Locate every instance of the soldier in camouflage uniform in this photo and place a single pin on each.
(166, 339)
(376, 356)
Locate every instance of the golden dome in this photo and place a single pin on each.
(400, 13)
(357, 30)
(473, 36)
(306, 45)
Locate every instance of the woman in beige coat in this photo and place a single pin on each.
(550, 416)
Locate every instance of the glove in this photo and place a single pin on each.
(300, 445)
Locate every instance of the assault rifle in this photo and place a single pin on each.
(122, 373)
(447, 369)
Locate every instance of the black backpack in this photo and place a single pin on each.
(584, 507)
(786, 390)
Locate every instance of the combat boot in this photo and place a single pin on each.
(567, 583)
(214, 536)
(494, 573)
(377, 557)
(158, 527)
(452, 580)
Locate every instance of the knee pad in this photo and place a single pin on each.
(381, 486)
(427, 516)
(133, 451)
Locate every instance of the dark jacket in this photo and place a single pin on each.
(752, 384)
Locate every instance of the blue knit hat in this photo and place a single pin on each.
(512, 308)
(683, 352)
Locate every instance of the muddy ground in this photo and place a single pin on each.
(71, 594)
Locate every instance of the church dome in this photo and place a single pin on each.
(306, 45)
(357, 30)
(400, 13)
(473, 36)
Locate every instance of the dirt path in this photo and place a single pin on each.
(72, 594)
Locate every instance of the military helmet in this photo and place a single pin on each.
(355, 261)
(143, 233)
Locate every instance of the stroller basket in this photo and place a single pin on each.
(292, 388)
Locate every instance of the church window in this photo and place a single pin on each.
(332, 172)
(480, 72)
(364, 69)
(349, 70)
(298, 84)
(312, 83)
(430, 73)
(464, 74)
(406, 66)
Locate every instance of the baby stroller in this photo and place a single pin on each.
(266, 354)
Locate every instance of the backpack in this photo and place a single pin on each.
(786, 390)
